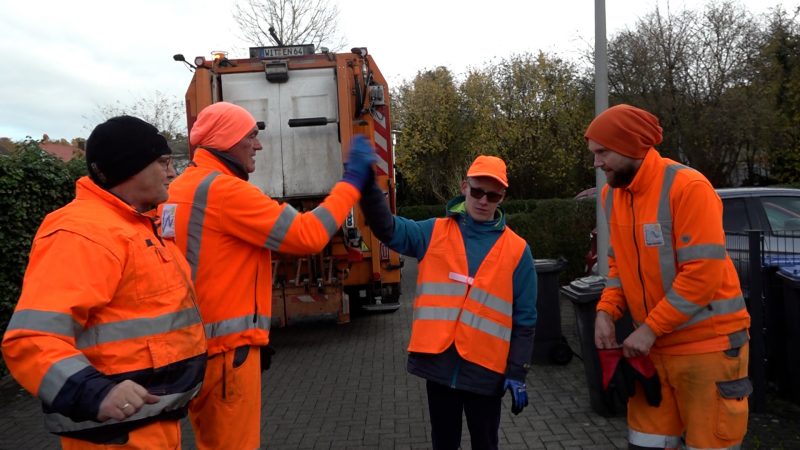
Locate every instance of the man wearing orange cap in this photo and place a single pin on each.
(228, 228)
(669, 268)
(475, 305)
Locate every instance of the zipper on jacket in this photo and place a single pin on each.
(155, 230)
(255, 295)
(638, 258)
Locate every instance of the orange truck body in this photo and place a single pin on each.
(311, 105)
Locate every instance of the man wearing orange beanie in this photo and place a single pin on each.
(669, 268)
(228, 228)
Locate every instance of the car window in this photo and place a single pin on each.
(734, 215)
(783, 213)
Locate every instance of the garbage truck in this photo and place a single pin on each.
(309, 105)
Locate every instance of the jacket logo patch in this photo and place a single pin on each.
(652, 235)
(168, 221)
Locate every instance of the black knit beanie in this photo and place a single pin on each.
(121, 147)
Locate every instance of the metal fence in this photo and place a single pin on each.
(764, 291)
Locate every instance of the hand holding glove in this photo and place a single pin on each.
(519, 394)
(358, 168)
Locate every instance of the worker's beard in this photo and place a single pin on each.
(621, 177)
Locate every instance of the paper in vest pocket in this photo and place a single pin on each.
(168, 220)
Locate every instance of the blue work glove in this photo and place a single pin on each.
(358, 168)
(519, 395)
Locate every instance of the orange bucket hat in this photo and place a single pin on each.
(625, 129)
(489, 166)
(221, 126)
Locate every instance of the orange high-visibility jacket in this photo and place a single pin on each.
(227, 228)
(475, 312)
(104, 300)
(667, 260)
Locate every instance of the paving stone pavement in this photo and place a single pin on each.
(346, 387)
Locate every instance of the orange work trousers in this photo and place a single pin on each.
(704, 401)
(162, 435)
(226, 414)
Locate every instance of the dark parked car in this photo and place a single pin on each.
(774, 211)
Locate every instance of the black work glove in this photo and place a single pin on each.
(643, 370)
(266, 357)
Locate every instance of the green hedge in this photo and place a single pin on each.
(554, 228)
(32, 184)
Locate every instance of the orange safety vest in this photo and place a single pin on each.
(227, 228)
(474, 312)
(101, 290)
(667, 260)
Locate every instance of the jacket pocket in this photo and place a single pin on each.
(732, 408)
(155, 272)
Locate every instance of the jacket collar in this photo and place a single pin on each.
(86, 189)
(220, 161)
(647, 174)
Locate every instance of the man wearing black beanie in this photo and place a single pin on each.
(106, 333)
(123, 148)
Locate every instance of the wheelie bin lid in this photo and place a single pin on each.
(592, 283)
(549, 265)
(790, 273)
(585, 290)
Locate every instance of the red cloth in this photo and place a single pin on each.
(609, 359)
(625, 129)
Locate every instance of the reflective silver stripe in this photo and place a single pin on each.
(666, 252)
(486, 325)
(738, 338)
(715, 308)
(198, 215)
(134, 328)
(653, 440)
(281, 227)
(613, 282)
(735, 447)
(456, 289)
(684, 306)
(58, 423)
(44, 321)
(436, 313)
(611, 252)
(236, 325)
(491, 301)
(704, 251)
(58, 374)
(327, 219)
(609, 202)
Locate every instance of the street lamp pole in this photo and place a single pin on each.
(600, 105)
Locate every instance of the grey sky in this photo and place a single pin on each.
(62, 60)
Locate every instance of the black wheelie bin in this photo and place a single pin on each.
(584, 294)
(549, 345)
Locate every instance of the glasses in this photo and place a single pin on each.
(478, 193)
(165, 161)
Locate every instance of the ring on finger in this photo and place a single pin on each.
(125, 405)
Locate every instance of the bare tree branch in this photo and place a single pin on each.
(295, 21)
